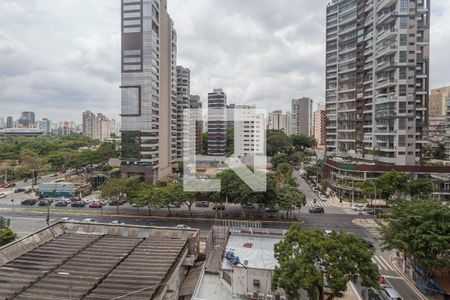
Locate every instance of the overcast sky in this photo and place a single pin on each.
(61, 57)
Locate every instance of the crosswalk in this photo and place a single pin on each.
(382, 263)
(311, 203)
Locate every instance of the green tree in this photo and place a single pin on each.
(277, 142)
(284, 169)
(230, 142)
(121, 189)
(279, 159)
(33, 162)
(290, 199)
(421, 230)
(419, 188)
(393, 183)
(315, 169)
(439, 151)
(301, 141)
(6, 234)
(205, 143)
(308, 259)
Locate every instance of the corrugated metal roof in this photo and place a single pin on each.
(259, 256)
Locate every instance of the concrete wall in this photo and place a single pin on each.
(243, 280)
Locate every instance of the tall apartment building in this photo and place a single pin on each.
(195, 103)
(249, 133)
(302, 115)
(97, 127)
(46, 126)
(27, 119)
(2, 123)
(447, 129)
(438, 116)
(320, 121)
(217, 123)
(149, 51)
(183, 103)
(9, 122)
(377, 78)
(280, 121)
(89, 124)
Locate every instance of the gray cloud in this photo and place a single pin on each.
(59, 58)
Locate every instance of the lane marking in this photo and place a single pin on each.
(381, 263)
(386, 263)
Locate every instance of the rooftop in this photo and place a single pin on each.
(257, 251)
(93, 261)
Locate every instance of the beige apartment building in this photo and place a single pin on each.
(302, 116)
(279, 121)
(320, 121)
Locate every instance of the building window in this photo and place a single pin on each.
(402, 72)
(131, 7)
(131, 52)
(131, 29)
(131, 67)
(132, 22)
(403, 56)
(403, 39)
(132, 59)
(130, 145)
(131, 102)
(403, 22)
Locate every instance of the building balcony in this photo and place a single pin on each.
(385, 82)
(389, 33)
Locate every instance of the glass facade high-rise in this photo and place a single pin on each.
(148, 124)
(377, 68)
(217, 123)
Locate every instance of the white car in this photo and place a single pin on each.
(117, 222)
(182, 226)
(65, 219)
(2, 195)
(89, 220)
(322, 197)
(328, 231)
(358, 207)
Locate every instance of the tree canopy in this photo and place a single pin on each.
(312, 261)
(421, 230)
(277, 142)
(6, 234)
(301, 141)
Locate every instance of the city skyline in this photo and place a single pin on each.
(91, 54)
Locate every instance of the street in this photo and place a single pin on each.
(25, 221)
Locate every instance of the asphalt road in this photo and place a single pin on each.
(335, 218)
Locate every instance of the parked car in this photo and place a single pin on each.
(96, 204)
(328, 231)
(322, 196)
(137, 205)
(2, 195)
(368, 243)
(182, 226)
(116, 202)
(117, 222)
(219, 207)
(374, 211)
(28, 202)
(316, 210)
(89, 220)
(62, 203)
(28, 191)
(19, 190)
(372, 294)
(175, 205)
(389, 293)
(202, 204)
(358, 207)
(271, 209)
(78, 204)
(43, 203)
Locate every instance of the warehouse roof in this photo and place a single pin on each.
(93, 261)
